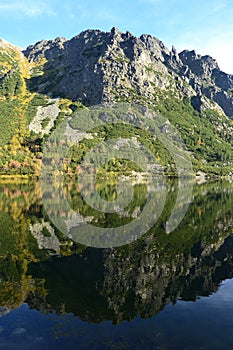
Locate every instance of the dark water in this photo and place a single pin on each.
(162, 291)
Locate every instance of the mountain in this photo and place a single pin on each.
(53, 79)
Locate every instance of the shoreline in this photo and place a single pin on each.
(26, 178)
(17, 178)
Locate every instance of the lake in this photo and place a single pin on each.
(161, 290)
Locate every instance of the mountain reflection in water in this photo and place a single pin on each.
(51, 273)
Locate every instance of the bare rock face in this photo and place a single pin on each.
(201, 66)
(155, 46)
(206, 78)
(95, 67)
(45, 48)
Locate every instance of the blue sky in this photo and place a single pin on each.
(203, 25)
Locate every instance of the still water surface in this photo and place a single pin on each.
(162, 291)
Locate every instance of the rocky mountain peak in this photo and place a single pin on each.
(45, 48)
(97, 66)
(202, 66)
(155, 46)
(115, 32)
